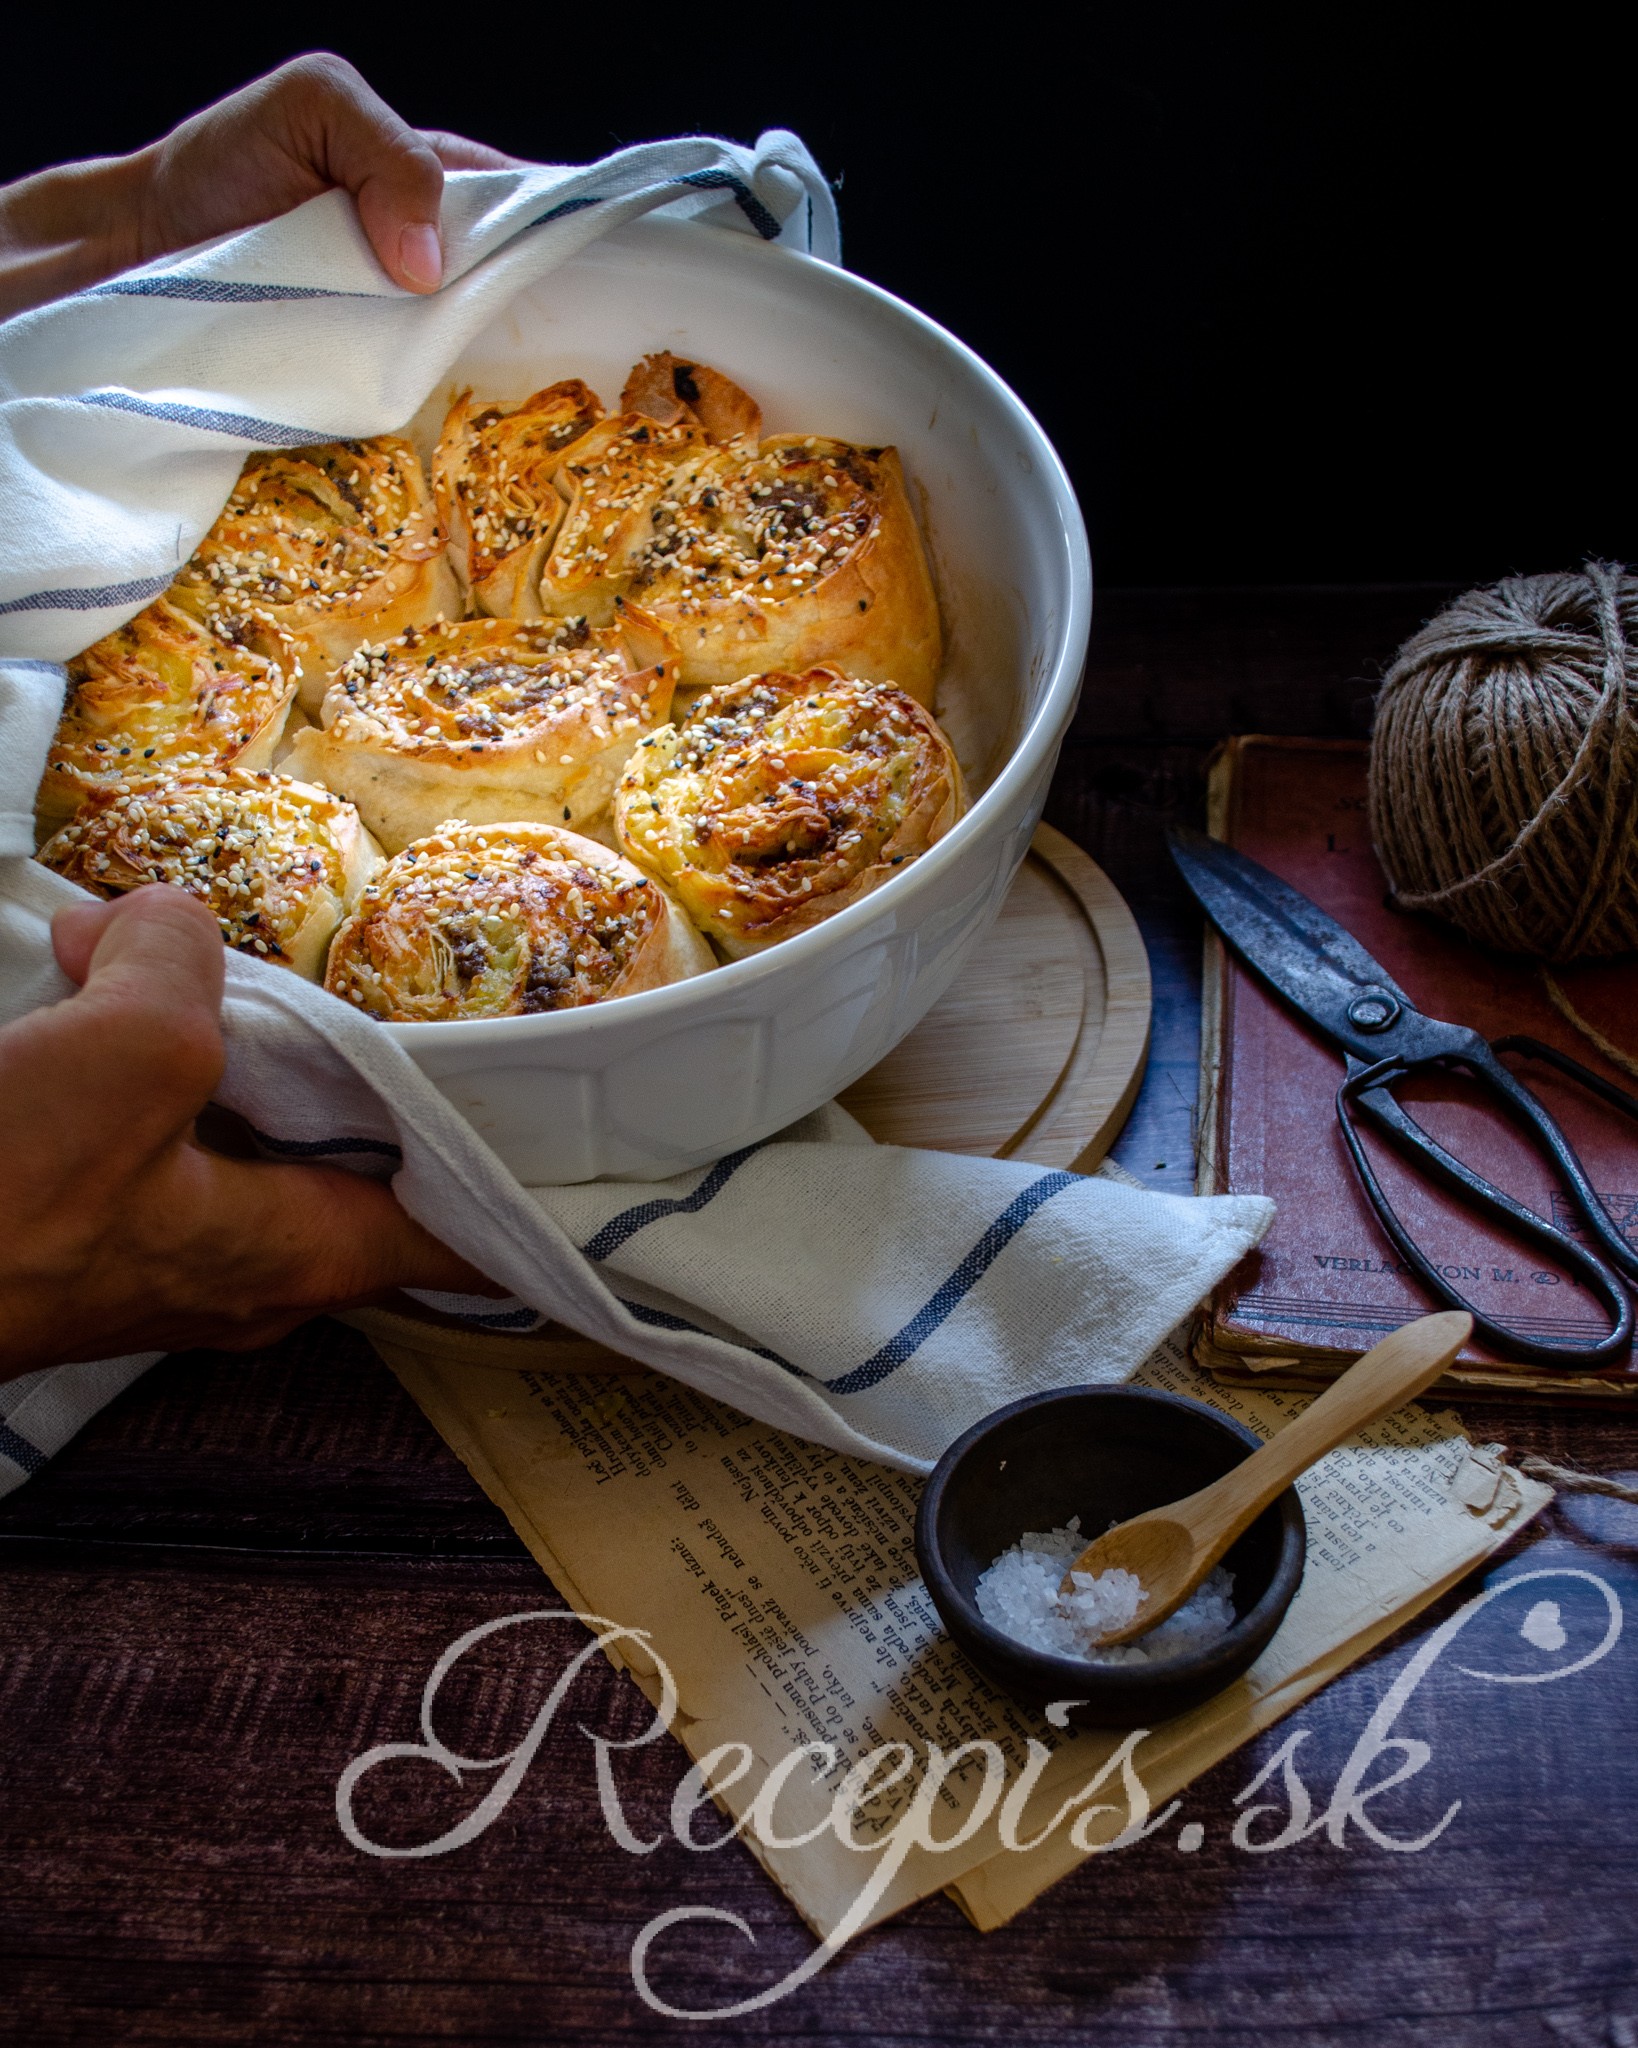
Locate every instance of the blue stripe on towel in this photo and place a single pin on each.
(899, 1349)
(749, 204)
(960, 1284)
(215, 291)
(661, 1319)
(98, 597)
(564, 208)
(245, 426)
(44, 668)
(317, 1148)
(20, 1451)
(626, 1225)
(503, 1319)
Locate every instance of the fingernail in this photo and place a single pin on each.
(420, 256)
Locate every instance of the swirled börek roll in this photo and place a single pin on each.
(670, 388)
(488, 719)
(507, 921)
(781, 799)
(334, 545)
(492, 481)
(160, 694)
(802, 550)
(279, 862)
(611, 478)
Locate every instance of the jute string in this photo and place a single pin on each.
(1504, 765)
(1589, 1031)
(1568, 1480)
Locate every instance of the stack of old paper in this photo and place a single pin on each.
(777, 1581)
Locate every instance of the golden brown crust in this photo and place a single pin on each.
(755, 557)
(279, 862)
(611, 478)
(333, 544)
(801, 550)
(507, 921)
(669, 388)
(489, 720)
(492, 481)
(783, 798)
(161, 694)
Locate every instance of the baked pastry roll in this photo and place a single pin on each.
(492, 483)
(160, 694)
(755, 556)
(611, 479)
(488, 719)
(508, 921)
(801, 550)
(334, 545)
(279, 862)
(781, 799)
(670, 388)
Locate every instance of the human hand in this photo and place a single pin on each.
(311, 125)
(119, 1232)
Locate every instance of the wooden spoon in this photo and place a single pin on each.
(1171, 1549)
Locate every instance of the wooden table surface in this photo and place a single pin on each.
(240, 1574)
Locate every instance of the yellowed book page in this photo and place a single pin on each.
(992, 1894)
(776, 1581)
(1394, 1519)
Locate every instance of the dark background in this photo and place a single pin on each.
(1303, 297)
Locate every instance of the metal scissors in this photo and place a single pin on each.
(1323, 972)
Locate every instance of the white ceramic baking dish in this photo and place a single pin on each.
(672, 1078)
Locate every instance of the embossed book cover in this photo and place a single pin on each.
(1326, 1282)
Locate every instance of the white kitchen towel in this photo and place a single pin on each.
(876, 1299)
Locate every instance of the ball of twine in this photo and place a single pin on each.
(1504, 765)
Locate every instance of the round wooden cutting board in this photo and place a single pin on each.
(1036, 1053)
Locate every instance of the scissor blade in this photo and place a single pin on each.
(1313, 962)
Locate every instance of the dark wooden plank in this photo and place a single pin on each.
(1116, 799)
(310, 1445)
(1169, 674)
(1192, 665)
(174, 1872)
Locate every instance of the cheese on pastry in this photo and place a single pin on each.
(160, 694)
(504, 921)
(334, 545)
(488, 719)
(782, 798)
(492, 482)
(280, 863)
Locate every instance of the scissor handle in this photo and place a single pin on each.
(1584, 1197)
(1371, 1089)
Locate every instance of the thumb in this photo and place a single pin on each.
(146, 1026)
(156, 940)
(393, 173)
(398, 196)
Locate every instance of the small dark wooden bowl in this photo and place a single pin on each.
(1105, 1454)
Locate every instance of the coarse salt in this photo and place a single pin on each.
(1019, 1595)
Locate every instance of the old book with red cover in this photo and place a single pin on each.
(1326, 1283)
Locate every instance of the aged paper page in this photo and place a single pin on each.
(1393, 1523)
(778, 1581)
